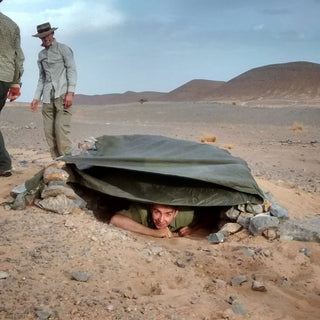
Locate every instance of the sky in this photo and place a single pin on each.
(159, 45)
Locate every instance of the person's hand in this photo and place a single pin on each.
(163, 233)
(34, 105)
(185, 231)
(14, 92)
(68, 100)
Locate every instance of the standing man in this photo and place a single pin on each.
(11, 70)
(56, 85)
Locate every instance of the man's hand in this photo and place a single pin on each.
(34, 105)
(14, 92)
(68, 100)
(185, 231)
(163, 233)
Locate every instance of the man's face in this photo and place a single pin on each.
(47, 40)
(163, 215)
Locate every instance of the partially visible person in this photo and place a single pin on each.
(156, 220)
(56, 86)
(11, 70)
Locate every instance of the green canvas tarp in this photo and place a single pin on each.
(158, 169)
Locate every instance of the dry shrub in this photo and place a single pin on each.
(227, 147)
(209, 138)
(296, 126)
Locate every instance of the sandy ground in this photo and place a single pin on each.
(137, 277)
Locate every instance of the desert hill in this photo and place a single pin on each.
(193, 90)
(287, 80)
(293, 81)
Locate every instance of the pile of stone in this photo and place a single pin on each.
(52, 193)
(259, 219)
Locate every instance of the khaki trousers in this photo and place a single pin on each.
(57, 124)
(5, 160)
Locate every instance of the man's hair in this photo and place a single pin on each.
(163, 205)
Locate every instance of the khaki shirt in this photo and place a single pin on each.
(57, 70)
(11, 55)
(140, 213)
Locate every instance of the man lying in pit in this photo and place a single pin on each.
(157, 220)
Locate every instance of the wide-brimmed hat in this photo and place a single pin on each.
(43, 30)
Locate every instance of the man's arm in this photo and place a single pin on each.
(71, 73)
(14, 91)
(186, 231)
(40, 86)
(127, 223)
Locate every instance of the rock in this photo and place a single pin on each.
(80, 276)
(271, 234)
(306, 252)
(242, 207)
(180, 264)
(216, 237)
(54, 190)
(157, 251)
(300, 229)
(4, 275)
(19, 202)
(56, 164)
(128, 294)
(53, 174)
(258, 286)
(254, 208)
(262, 222)
(43, 314)
(110, 307)
(59, 204)
(80, 203)
(23, 163)
(238, 280)
(236, 305)
(232, 298)
(21, 188)
(279, 212)
(238, 308)
(230, 228)
(220, 283)
(266, 205)
(232, 213)
(244, 219)
(228, 314)
(249, 252)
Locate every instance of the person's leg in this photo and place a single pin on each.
(49, 116)
(5, 160)
(63, 127)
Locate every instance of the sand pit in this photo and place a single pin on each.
(136, 277)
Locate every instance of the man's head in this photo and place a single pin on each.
(162, 215)
(45, 33)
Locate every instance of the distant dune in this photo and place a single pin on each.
(294, 81)
(194, 90)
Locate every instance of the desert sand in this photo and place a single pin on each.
(138, 277)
